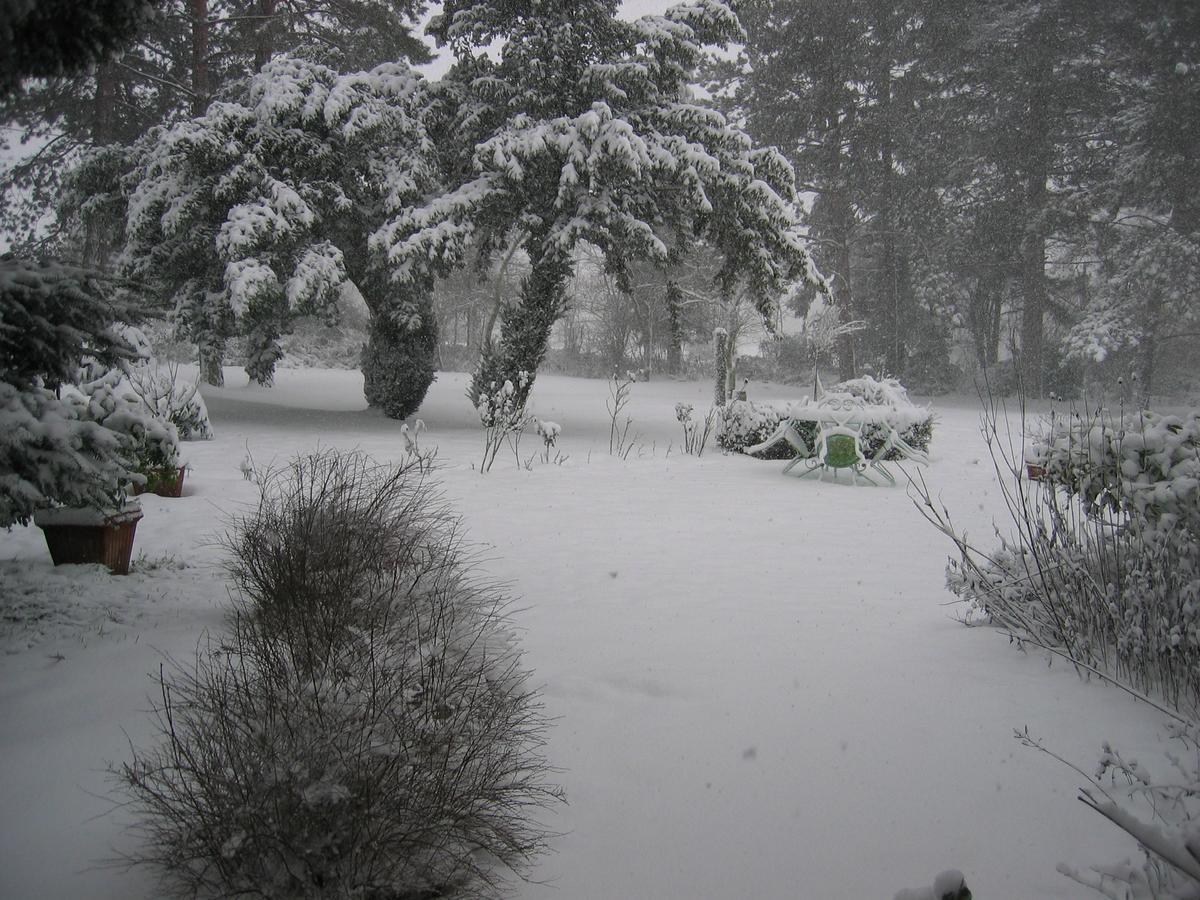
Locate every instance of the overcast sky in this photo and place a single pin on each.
(630, 9)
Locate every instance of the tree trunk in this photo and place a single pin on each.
(264, 34)
(720, 366)
(841, 274)
(674, 323)
(891, 289)
(1036, 168)
(525, 327)
(1148, 347)
(104, 104)
(97, 239)
(200, 35)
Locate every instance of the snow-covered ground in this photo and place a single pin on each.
(761, 691)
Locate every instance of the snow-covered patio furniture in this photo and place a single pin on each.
(840, 419)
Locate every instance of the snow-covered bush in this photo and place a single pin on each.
(50, 455)
(54, 448)
(744, 423)
(52, 317)
(1161, 812)
(158, 387)
(549, 433)
(1103, 565)
(1143, 464)
(502, 414)
(366, 729)
(152, 442)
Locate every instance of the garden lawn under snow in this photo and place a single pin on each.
(760, 690)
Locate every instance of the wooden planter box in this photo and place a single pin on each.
(88, 536)
(1035, 472)
(163, 482)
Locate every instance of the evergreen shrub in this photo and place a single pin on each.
(59, 445)
(398, 365)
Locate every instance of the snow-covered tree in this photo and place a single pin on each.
(585, 129)
(190, 52)
(261, 209)
(1146, 212)
(52, 318)
(52, 38)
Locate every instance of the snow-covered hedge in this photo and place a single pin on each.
(367, 729)
(745, 423)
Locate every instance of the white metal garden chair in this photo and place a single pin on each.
(840, 421)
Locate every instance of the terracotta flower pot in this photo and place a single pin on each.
(163, 482)
(102, 536)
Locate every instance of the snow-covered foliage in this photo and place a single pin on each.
(50, 454)
(153, 441)
(260, 209)
(52, 317)
(1144, 464)
(503, 419)
(1159, 811)
(367, 728)
(878, 392)
(585, 129)
(1144, 294)
(158, 387)
(1103, 566)
(549, 432)
(56, 445)
(744, 423)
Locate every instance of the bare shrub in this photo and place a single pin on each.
(366, 729)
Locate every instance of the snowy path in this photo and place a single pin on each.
(760, 691)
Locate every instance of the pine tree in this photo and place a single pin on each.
(191, 52)
(262, 210)
(54, 38)
(1140, 303)
(52, 316)
(584, 129)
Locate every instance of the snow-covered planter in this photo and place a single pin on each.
(91, 535)
(366, 729)
(165, 481)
